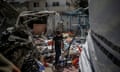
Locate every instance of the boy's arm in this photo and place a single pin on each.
(53, 44)
(62, 44)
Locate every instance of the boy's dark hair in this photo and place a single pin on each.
(57, 32)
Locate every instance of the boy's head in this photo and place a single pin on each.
(58, 32)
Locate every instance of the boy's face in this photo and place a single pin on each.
(58, 34)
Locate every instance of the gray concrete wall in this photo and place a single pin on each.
(105, 18)
(105, 21)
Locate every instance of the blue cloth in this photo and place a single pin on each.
(41, 67)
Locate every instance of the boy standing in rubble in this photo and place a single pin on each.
(57, 40)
